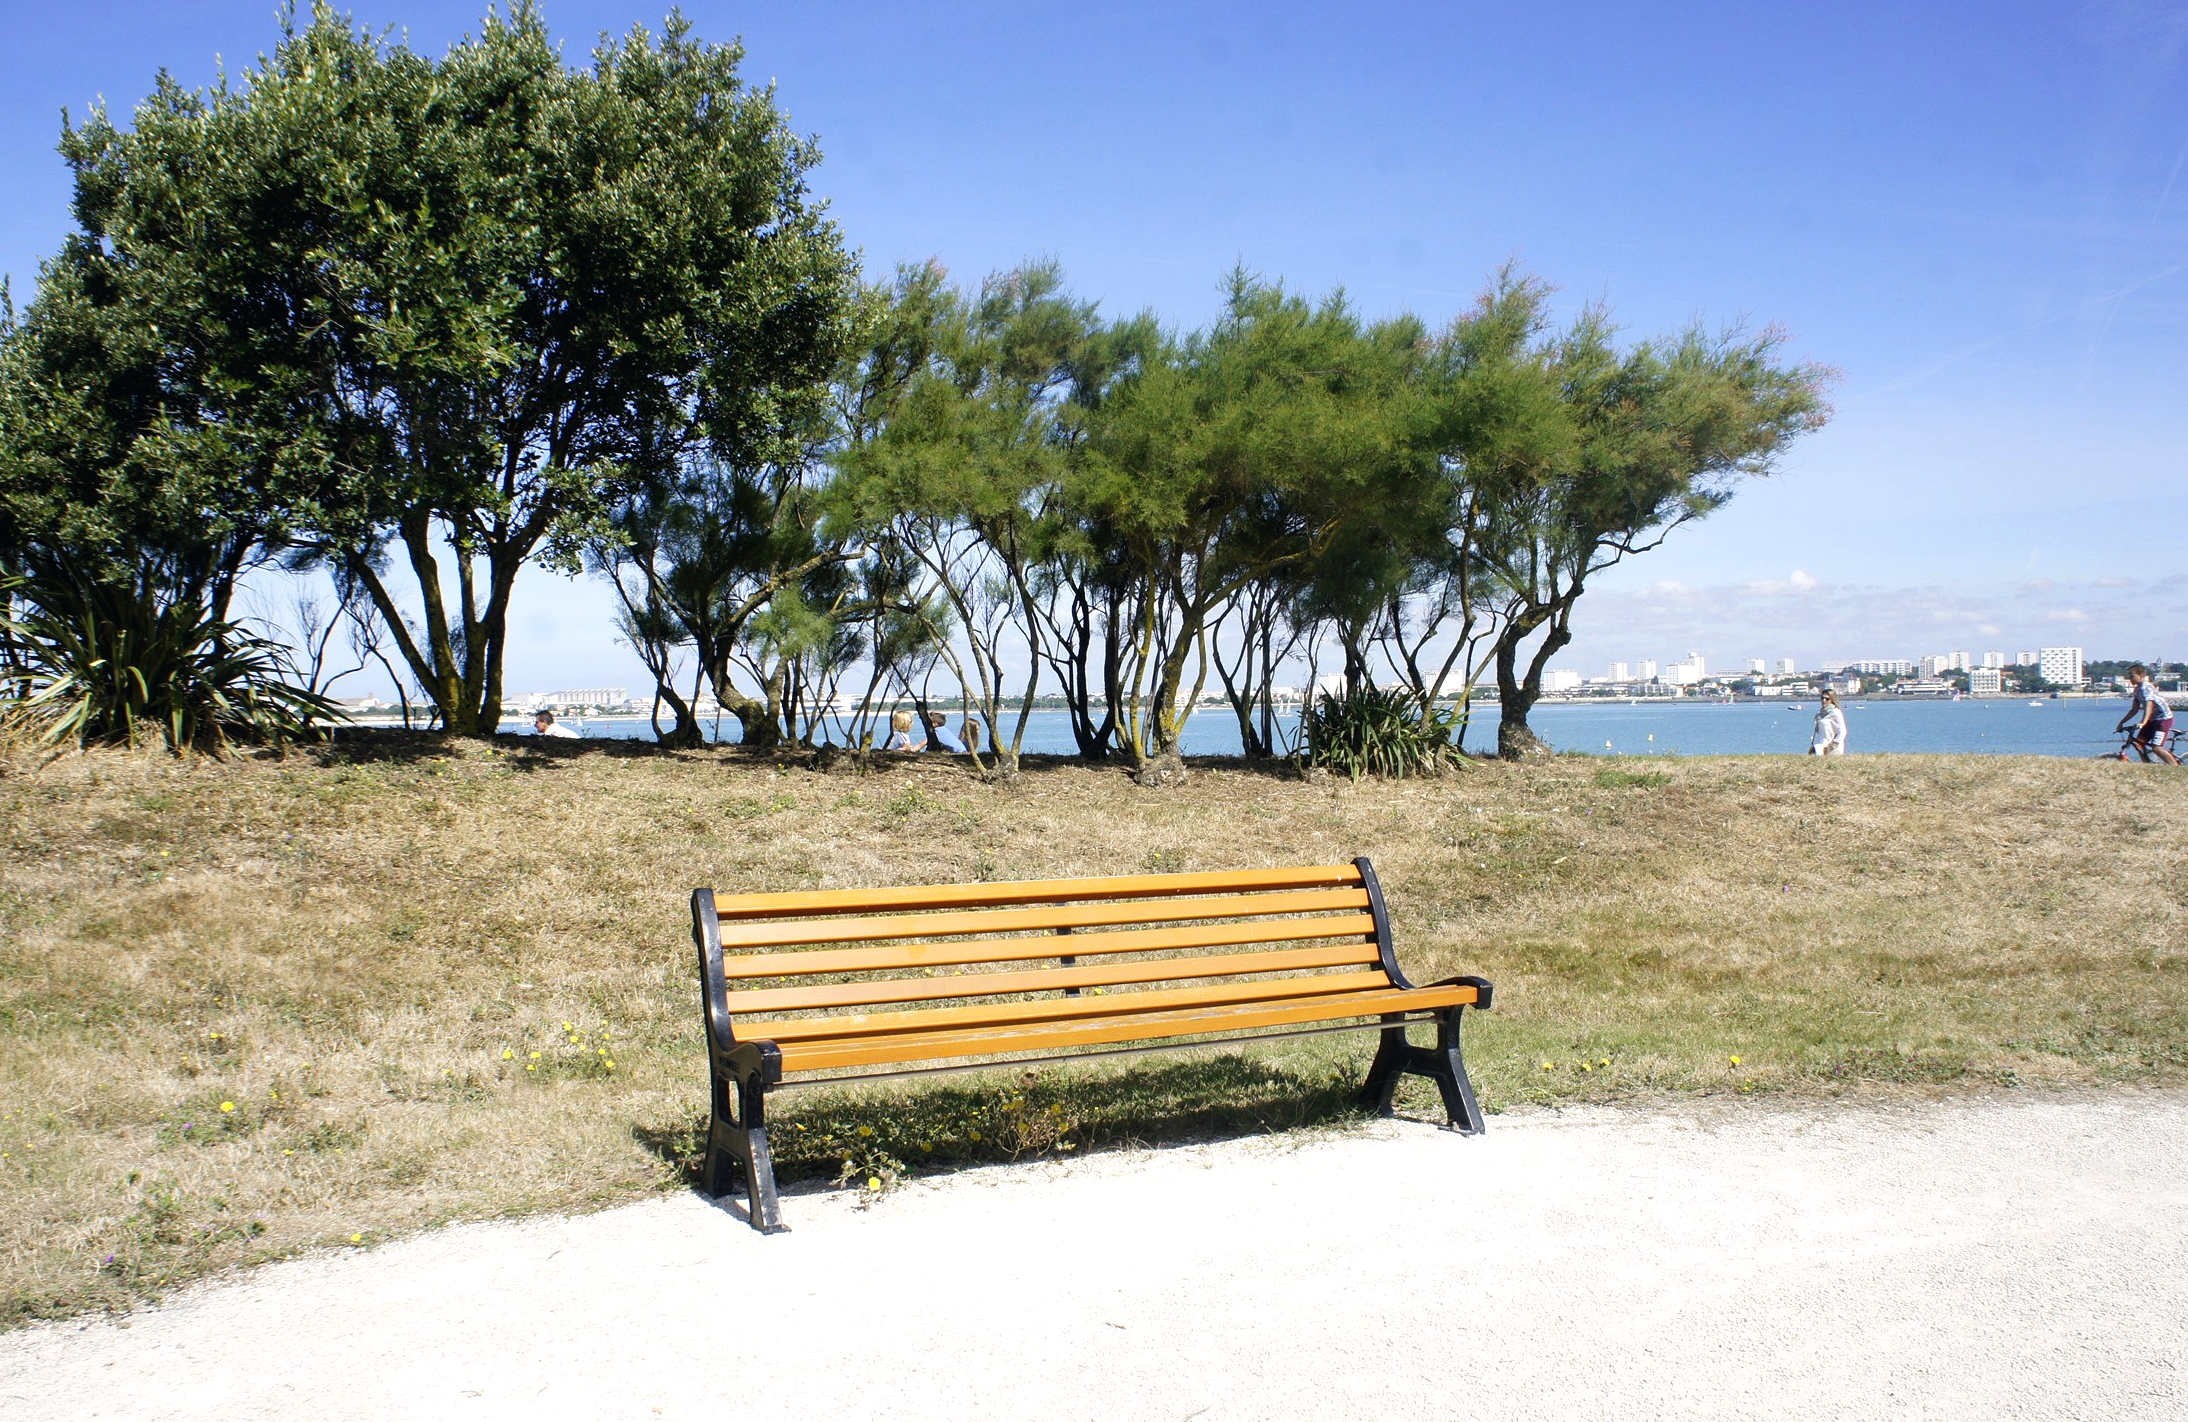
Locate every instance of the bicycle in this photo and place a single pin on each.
(2176, 741)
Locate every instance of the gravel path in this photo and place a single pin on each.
(1994, 1257)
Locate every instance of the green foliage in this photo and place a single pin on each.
(1378, 731)
(101, 663)
(424, 319)
(1574, 454)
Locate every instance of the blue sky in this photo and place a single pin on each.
(1977, 214)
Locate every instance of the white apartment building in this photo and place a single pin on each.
(590, 696)
(1986, 681)
(1994, 659)
(1785, 666)
(1936, 666)
(1956, 661)
(1756, 666)
(1561, 681)
(1644, 671)
(2060, 666)
(1619, 672)
(2025, 659)
(1687, 671)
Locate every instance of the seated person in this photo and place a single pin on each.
(543, 724)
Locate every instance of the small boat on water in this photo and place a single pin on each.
(2036, 703)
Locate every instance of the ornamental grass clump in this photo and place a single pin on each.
(1374, 731)
(103, 664)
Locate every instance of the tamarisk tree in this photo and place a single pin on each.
(1639, 443)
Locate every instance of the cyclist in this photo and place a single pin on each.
(2148, 715)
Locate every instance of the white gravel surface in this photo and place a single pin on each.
(1994, 1257)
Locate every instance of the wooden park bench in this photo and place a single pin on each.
(803, 989)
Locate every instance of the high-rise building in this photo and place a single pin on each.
(1687, 670)
(1936, 665)
(1994, 660)
(1986, 681)
(2060, 666)
(1561, 681)
(1785, 666)
(1756, 666)
(1645, 670)
(1620, 672)
(2025, 659)
(1956, 661)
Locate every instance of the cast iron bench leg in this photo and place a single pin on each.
(737, 1146)
(1442, 1064)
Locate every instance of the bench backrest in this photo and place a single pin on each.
(787, 955)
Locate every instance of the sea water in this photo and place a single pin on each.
(1991, 726)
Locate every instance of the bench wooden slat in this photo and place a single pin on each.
(926, 1046)
(898, 957)
(730, 907)
(1055, 1009)
(876, 991)
(781, 933)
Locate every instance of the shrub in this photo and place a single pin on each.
(1373, 731)
(93, 662)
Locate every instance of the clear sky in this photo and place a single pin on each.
(1977, 213)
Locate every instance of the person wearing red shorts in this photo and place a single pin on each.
(2148, 715)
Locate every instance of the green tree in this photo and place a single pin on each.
(425, 317)
(966, 473)
(1244, 453)
(1642, 442)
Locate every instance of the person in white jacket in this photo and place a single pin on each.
(1830, 733)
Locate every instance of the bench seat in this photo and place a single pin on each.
(851, 984)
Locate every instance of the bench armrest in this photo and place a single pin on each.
(1482, 986)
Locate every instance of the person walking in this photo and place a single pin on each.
(2149, 719)
(1829, 736)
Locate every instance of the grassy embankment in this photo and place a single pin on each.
(254, 1007)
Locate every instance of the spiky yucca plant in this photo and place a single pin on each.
(95, 663)
(1373, 731)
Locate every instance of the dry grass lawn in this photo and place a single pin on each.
(254, 1007)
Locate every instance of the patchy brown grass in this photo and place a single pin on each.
(254, 1007)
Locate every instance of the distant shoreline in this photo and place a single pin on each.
(394, 720)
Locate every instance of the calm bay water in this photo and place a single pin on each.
(1987, 727)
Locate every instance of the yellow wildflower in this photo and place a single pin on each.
(227, 1108)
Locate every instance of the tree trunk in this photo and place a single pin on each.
(1517, 693)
